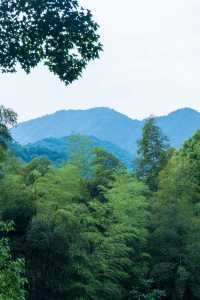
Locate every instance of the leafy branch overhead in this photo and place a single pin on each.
(59, 33)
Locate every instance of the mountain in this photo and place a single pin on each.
(108, 125)
(180, 125)
(102, 123)
(58, 150)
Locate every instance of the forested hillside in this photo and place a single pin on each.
(58, 150)
(107, 125)
(93, 230)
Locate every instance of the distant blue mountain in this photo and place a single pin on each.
(57, 150)
(180, 125)
(107, 125)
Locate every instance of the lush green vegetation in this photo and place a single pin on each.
(93, 230)
(12, 278)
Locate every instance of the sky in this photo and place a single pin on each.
(150, 64)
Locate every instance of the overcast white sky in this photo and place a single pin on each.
(150, 64)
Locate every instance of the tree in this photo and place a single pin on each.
(7, 118)
(191, 152)
(36, 168)
(12, 279)
(129, 228)
(16, 204)
(79, 151)
(70, 251)
(48, 257)
(146, 292)
(103, 167)
(61, 34)
(152, 154)
(175, 239)
(58, 188)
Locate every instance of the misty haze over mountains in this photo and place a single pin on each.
(107, 125)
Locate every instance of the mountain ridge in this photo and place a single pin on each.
(57, 150)
(108, 125)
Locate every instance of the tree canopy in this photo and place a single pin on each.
(7, 118)
(12, 280)
(60, 33)
(152, 153)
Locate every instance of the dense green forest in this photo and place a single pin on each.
(90, 228)
(93, 230)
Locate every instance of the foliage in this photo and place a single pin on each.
(12, 279)
(152, 154)
(146, 292)
(80, 154)
(103, 167)
(60, 33)
(7, 118)
(175, 226)
(91, 229)
(59, 150)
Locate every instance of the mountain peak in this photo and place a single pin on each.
(184, 111)
(93, 110)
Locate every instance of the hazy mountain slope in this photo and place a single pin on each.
(180, 125)
(102, 123)
(107, 125)
(57, 150)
